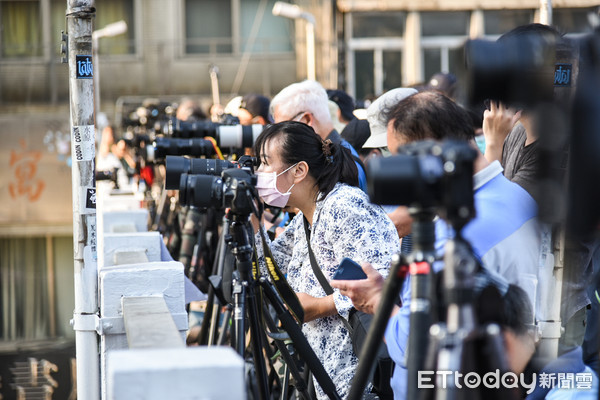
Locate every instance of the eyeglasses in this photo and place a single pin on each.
(300, 114)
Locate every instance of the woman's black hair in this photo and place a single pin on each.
(329, 163)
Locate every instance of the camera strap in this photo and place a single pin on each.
(318, 273)
(281, 284)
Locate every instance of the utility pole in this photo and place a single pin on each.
(81, 92)
(546, 12)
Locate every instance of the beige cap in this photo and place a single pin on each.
(375, 116)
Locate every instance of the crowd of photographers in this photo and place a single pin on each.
(313, 162)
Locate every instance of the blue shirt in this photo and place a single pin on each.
(362, 176)
(335, 137)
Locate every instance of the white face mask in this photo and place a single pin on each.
(266, 184)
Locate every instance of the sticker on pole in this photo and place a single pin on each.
(88, 199)
(92, 236)
(85, 69)
(83, 146)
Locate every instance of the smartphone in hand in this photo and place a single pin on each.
(349, 270)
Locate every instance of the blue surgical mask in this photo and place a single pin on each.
(480, 141)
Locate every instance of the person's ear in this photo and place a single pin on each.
(375, 153)
(307, 118)
(259, 119)
(300, 171)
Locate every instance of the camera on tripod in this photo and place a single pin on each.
(234, 188)
(515, 70)
(427, 175)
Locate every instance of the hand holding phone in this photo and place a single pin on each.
(349, 270)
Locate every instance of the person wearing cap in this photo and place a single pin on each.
(307, 102)
(443, 82)
(356, 133)
(334, 111)
(254, 109)
(505, 233)
(345, 105)
(377, 143)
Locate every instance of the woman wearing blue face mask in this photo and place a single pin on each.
(298, 169)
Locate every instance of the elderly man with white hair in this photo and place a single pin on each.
(307, 102)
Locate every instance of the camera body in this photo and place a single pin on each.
(427, 175)
(234, 188)
(518, 71)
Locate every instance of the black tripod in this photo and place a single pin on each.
(461, 344)
(245, 301)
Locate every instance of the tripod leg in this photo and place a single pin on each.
(224, 326)
(290, 363)
(285, 382)
(253, 316)
(368, 354)
(218, 268)
(239, 325)
(300, 341)
(212, 306)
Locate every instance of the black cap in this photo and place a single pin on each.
(356, 133)
(257, 105)
(443, 82)
(344, 102)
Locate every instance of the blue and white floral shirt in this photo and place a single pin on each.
(345, 224)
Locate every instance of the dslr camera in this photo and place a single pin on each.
(427, 175)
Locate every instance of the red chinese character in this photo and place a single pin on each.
(24, 166)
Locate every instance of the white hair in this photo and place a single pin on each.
(306, 96)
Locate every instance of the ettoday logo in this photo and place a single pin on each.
(472, 380)
(495, 380)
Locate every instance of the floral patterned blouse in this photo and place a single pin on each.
(345, 224)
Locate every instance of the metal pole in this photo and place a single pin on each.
(310, 50)
(96, 79)
(546, 12)
(81, 91)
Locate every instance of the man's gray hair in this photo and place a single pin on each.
(306, 96)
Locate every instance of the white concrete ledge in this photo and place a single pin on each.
(123, 221)
(117, 245)
(193, 373)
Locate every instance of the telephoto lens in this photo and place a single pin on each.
(233, 136)
(201, 191)
(176, 166)
(163, 147)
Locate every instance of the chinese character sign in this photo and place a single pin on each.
(23, 165)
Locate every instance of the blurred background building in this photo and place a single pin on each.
(365, 47)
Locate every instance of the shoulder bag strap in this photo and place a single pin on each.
(318, 273)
